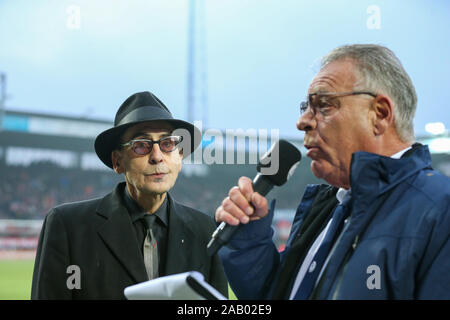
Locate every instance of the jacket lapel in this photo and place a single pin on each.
(179, 247)
(118, 234)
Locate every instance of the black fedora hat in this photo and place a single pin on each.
(138, 108)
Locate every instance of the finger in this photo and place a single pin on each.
(260, 204)
(246, 186)
(240, 201)
(222, 215)
(231, 208)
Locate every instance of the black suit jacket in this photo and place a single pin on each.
(97, 237)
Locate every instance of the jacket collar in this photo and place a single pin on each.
(118, 234)
(180, 240)
(372, 174)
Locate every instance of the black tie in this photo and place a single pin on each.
(150, 248)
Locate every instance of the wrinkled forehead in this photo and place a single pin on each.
(337, 76)
(153, 128)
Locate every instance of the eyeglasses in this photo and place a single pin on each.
(143, 147)
(323, 101)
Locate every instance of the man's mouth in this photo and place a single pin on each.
(157, 174)
(312, 150)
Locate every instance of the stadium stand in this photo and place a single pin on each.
(46, 160)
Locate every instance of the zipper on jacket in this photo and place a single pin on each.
(344, 263)
(355, 242)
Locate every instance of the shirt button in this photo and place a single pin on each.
(312, 266)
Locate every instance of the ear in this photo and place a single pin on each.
(383, 111)
(181, 160)
(116, 157)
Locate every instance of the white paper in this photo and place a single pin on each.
(173, 287)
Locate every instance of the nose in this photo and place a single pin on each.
(155, 156)
(306, 122)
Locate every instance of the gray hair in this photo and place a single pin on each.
(380, 71)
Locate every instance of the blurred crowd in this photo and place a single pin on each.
(30, 192)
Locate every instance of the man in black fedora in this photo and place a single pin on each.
(94, 249)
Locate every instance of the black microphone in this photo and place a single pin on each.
(274, 168)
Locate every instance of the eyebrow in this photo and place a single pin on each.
(319, 91)
(146, 135)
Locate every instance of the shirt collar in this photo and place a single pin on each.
(136, 212)
(399, 154)
(342, 193)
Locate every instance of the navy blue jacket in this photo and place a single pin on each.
(394, 246)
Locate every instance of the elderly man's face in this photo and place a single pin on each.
(342, 128)
(154, 173)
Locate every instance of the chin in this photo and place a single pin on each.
(322, 171)
(158, 189)
(317, 169)
(153, 193)
(330, 175)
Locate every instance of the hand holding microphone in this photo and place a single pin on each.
(246, 202)
(242, 205)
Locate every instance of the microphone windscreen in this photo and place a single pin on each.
(279, 162)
